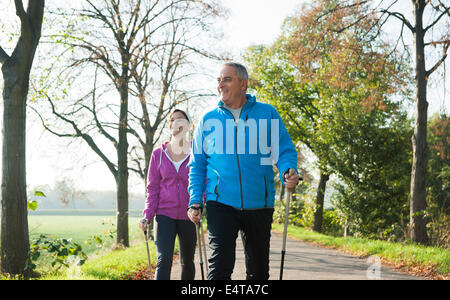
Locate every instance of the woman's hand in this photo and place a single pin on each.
(143, 224)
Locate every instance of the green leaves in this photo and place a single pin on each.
(335, 93)
(108, 234)
(33, 204)
(39, 193)
(60, 251)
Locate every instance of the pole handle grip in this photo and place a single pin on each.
(291, 172)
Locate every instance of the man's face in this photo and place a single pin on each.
(231, 89)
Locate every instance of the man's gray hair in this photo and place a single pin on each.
(241, 70)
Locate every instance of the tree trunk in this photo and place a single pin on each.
(15, 240)
(419, 139)
(16, 68)
(318, 214)
(122, 169)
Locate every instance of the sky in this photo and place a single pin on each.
(256, 21)
(250, 22)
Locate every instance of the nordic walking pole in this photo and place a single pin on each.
(199, 241)
(286, 219)
(200, 249)
(204, 245)
(148, 254)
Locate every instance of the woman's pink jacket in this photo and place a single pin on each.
(167, 189)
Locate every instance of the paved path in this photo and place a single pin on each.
(304, 261)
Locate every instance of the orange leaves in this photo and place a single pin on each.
(331, 45)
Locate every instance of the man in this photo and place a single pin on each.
(233, 150)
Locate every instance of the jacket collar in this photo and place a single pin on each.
(164, 146)
(166, 152)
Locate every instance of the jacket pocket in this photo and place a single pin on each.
(216, 188)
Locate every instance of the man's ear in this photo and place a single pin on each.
(244, 84)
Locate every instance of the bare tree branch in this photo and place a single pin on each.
(94, 113)
(445, 12)
(48, 128)
(401, 17)
(141, 46)
(86, 137)
(440, 61)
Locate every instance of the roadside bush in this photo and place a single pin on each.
(301, 213)
(60, 252)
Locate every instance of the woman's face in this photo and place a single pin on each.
(178, 124)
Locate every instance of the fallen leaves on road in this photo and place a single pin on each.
(142, 274)
(428, 272)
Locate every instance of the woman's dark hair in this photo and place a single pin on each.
(181, 111)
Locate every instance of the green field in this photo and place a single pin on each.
(80, 226)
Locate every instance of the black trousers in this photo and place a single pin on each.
(224, 223)
(166, 229)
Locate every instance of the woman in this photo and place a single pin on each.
(168, 199)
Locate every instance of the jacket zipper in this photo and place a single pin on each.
(237, 156)
(178, 175)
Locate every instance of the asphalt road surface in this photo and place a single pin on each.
(304, 261)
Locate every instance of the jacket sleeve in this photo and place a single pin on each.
(153, 186)
(197, 165)
(287, 154)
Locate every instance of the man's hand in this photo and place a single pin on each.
(195, 213)
(291, 179)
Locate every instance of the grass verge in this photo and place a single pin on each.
(420, 260)
(111, 265)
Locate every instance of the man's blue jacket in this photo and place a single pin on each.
(233, 163)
